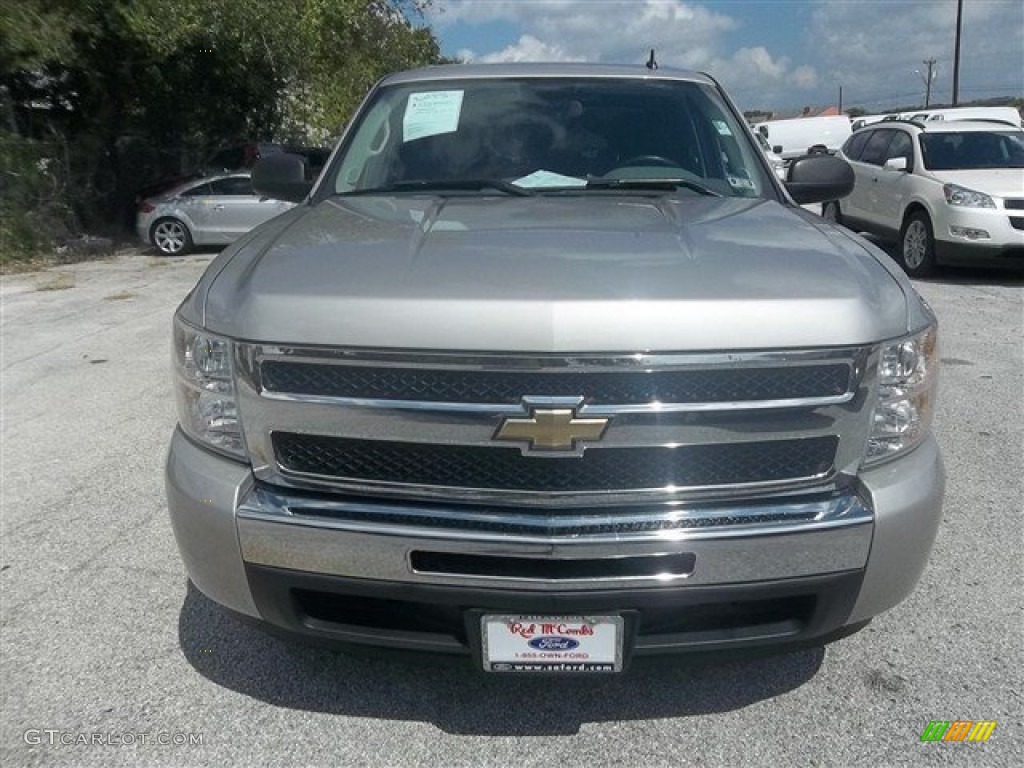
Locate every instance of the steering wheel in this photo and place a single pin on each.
(649, 160)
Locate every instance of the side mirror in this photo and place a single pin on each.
(817, 178)
(896, 164)
(281, 176)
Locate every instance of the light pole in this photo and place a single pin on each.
(956, 52)
(928, 80)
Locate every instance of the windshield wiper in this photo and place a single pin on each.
(655, 184)
(444, 185)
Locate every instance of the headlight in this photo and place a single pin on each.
(907, 375)
(966, 198)
(205, 389)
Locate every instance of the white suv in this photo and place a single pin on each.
(952, 192)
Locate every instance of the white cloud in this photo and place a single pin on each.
(871, 48)
(752, 63)
(529, 48)
(805, 77)
(621, 31)
(755, 78)
(683, 34)
(874, 48)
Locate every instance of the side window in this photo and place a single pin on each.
(1013, 146)
(901, 146)
(201, 190)
(875, 150)
(235, 185)
(855, 144)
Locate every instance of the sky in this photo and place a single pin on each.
(776, 54)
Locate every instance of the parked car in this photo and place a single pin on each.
(859, 122)
(244, 156)
(951, 192)
(212, 211)
(1008, 115)
(792, 138)
(774, 159)
(550, 370)
(235, 159)
(238, 157)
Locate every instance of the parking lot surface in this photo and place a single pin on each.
(107, 653)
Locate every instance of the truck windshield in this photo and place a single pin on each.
(972, 150)
(548, 135)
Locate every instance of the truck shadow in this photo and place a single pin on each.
(450, 694)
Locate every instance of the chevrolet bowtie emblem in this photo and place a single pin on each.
(554, 430)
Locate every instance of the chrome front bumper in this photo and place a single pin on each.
(224, 522)
(328, 537)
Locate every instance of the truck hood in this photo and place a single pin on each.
(583, 273)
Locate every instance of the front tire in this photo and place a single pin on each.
(830, 212)
(917, 246)
(171, 237)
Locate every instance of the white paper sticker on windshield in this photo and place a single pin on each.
(548, 179)
(431, 113)
(721, 127)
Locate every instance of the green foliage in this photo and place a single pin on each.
(33, 33)
(33, 216)
(143, 89)
(308, 62)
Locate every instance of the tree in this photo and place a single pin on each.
(136, 88)
(321, 55)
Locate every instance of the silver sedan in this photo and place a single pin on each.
(211, 211)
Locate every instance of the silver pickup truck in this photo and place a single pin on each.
(550, 370)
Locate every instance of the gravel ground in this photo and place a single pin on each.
(101, 637)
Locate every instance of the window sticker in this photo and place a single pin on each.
(721, 127)
(431, 113)
(544, 178)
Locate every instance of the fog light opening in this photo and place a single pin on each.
(969, 233)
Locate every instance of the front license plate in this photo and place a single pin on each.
(552, 643)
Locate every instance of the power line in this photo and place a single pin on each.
(930, 63)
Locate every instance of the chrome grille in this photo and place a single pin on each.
(599, 469)
(597, 388)
(421, 425)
